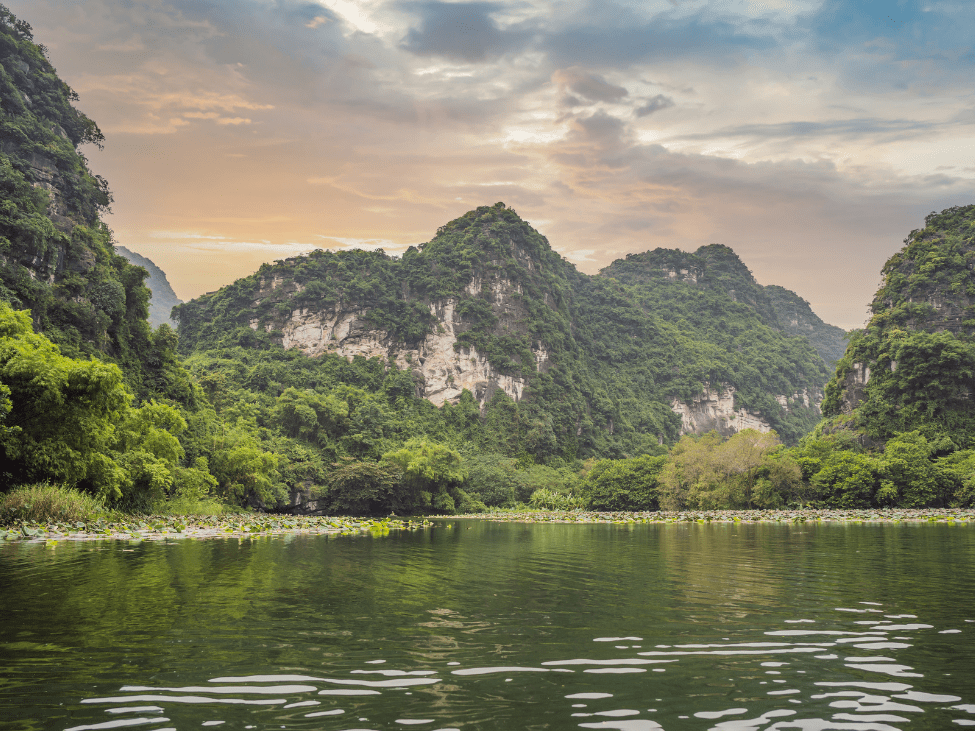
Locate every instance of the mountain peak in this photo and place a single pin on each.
(489, 234)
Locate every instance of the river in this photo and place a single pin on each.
(483, 625)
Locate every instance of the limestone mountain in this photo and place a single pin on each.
(164, 299)
(597, 364)
(714, 267)
(913, 366)
(795, 318)
(668, 275)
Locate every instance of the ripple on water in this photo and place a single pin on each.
(828, 690)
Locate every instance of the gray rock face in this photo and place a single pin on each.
(714, 410)
(441, 368)
(164, 299)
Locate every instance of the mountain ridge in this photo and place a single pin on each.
(487, 305)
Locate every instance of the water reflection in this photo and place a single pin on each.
(518, 627)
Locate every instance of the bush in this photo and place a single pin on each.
(545, 499)
(623, 484)
(190, 505)
(45, 502)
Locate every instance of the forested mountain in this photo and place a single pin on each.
(606, 365)
(79, 376)
(671, 283)
(164, 299)
(57, 258)
(796, 318)
(913, 366)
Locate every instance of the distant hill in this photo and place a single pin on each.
(796, 318)
(164, 299)
(603, 365)
(668, 277)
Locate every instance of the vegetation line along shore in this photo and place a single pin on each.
(156, 528)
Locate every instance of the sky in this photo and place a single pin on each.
(811, 136)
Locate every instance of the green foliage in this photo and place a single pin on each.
(710, 473)
(796, 318)
(496, 480)
(629, 484)
(57, 257)
(129, 457)
(848, 479)
(87, 397)
(957, 471)
(546, 499)
(919, 345)
(432, 474)
(244, 471)
(364, 488)
(311, 416)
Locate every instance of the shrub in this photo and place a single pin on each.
(545, 499)
(45, 502)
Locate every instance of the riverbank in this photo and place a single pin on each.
(825, 515)
(163, 528)
(157, 528)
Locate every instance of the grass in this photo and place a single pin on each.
(45, 502)
(185, 505)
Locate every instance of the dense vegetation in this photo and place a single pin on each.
(619, 348)
(919, 345)
(56, 256)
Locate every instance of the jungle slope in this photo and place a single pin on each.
(598, 365)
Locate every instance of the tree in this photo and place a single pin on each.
(710, 473)
(244, 471)
(432, 474)
(61, 423)
(311, 416)
(909, 478)
(848, 479)
(363, 488)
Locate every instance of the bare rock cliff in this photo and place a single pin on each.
(714, 410)
(442, 368)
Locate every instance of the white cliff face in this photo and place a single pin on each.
(801, 397)
(683, 275)
(442, 371)
(714, 409)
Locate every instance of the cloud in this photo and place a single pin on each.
(654, 104)
(581, 255)
(847, 129)
(461, 31)
(366, 244)
(267, 249)
(610, 35)
(587, 85)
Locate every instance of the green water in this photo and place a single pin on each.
(476, 625)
